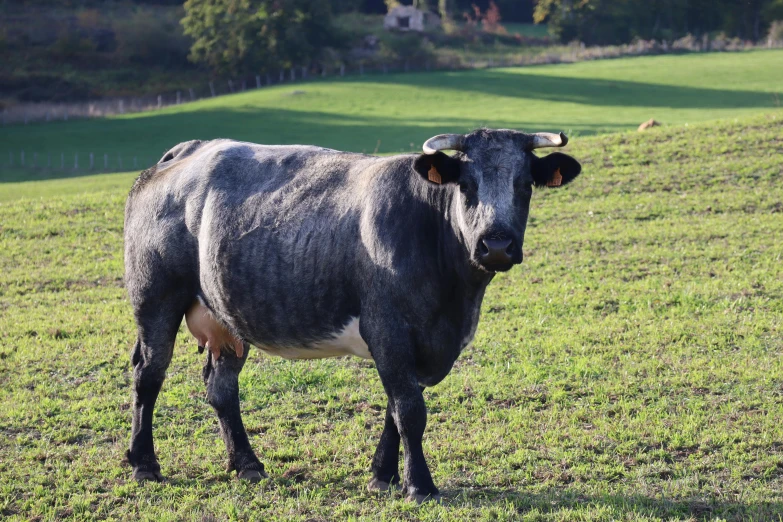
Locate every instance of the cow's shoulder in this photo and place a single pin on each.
(176, 153)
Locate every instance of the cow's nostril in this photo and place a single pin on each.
(496, 251)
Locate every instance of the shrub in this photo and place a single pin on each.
(71, 44)
(149, 36)
(775, 34)
(396, 47)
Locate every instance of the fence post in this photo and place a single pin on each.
(385, 69)
(92, 162)
(268, 79)
(212, 89)
(342, 69)
(304, 72)
(244, 85)
(75, 160)
(293, 74)
(192, 94)
(179, 98)
(122, 107)
(258, 81)
(282, 76)
(65, 115)
(231, 86)
(160, 101)
(105, 161)
(323, 72)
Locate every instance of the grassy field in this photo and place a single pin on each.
(631, 369)
(398, 112)
(530, 30)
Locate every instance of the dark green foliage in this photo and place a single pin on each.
(145, 41)
(600, 22)
(240, 36)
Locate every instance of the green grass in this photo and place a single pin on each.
(398, 112)
(631, 369)
(117, 182)
(529, 30)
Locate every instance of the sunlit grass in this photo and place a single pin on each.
(630, 369)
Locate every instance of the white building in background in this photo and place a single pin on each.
(408, 18)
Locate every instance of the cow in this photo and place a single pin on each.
(306, 252)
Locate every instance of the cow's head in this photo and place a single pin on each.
(495, 171)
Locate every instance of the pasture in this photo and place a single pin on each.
(630, 369)
(393, 113)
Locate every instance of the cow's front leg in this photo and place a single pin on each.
(395, 360)
(222, 379)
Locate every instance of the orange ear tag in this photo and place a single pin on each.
(434, 176)
(557, 179)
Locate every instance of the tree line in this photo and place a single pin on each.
(607, 22)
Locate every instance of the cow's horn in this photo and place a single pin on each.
(547, 139)
(443, 142)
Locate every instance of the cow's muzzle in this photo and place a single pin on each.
(498, 254)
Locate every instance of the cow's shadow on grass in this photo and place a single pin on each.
(555, 500)
(547, 501)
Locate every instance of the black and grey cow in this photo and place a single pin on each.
(305, 252)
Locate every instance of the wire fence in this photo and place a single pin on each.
(80, 162)
(74, 162)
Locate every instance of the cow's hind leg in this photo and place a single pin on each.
(157, 321)
(222, 379)
(386, 462)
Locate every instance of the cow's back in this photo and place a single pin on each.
(269, 233)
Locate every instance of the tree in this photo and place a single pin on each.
(619, 21)
(242, 36)
(446, 22)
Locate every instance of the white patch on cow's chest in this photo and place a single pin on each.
(347, 341)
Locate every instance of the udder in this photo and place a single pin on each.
(210, 333)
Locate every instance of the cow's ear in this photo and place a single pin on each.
(438, 168)
(554, 170)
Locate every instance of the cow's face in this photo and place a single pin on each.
(495, 171)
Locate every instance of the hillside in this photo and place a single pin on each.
(630, 369)
(398, 112)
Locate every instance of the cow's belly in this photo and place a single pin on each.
(347, 341)
(210, 333)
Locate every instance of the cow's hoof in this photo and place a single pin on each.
(147, 475)
(377, 485)
(252, 475)
(421, 498)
